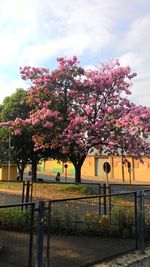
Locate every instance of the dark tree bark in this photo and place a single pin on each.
(34, 170)
(21, 167)
(78, 174)
(77, 162)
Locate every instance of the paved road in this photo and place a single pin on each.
(9, 199)
(70, 179)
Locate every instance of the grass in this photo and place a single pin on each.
(55, 191)
(15, 186)
(47, 191)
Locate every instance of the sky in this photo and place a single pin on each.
(36, 32)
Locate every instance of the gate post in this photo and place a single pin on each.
(40, 234)
(27, 191)
(104, 199)
(32, 210)
(140, 220)
(99, 202)
(48, 233)
(23, 190)
(110, 204)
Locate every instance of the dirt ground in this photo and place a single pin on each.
(64, 251)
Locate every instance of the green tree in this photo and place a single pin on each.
(22, 146)
(12, 107)
(4, 146)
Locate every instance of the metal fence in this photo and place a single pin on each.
(79, 231)
(16, 235)
(145, 218)
(82, 231)
(117, 188)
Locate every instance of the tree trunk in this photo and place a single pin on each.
(78, 162)
(21, 172)
(78, 173)
(34, 170)
(21, 168)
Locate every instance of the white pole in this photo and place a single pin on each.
(9, 157)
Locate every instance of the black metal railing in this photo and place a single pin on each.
(73, 231)
(78, 234)
(16, 235)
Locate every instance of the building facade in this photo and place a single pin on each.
(126, 170)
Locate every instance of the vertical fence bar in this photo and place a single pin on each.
(136, 219)
(109, 192)
(23, 188)
(31, 191)
(140, 218)
(40, 235)
(27, 191)
(48, 234)
(99, 199)
(105, 203)
(31, 234)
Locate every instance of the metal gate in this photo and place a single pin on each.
(16, 235)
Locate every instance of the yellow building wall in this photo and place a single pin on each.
(88, 167)
(142, 170)
(53, 166)
(0, 173)
(99, 171)
(93, 168)
(118, 169)
(4, 173)
(70, 169)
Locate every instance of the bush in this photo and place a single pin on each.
(15, 219)
(122, 220)
(81, 189)
(71, 221)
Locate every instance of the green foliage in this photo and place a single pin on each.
(22, 146)
(11, 185)
(69, 220)
(15, 219)
(63, 220)
(4, 146)
(56, 222)
(122, 216)
(81, 189)
(15, 105)
(122, 220)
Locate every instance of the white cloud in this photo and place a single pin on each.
(9, 86)
(135, 52)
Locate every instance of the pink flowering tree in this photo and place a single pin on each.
(77, 110)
